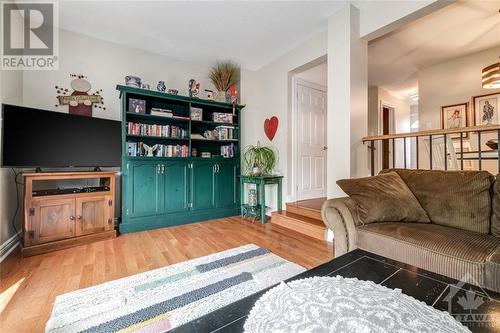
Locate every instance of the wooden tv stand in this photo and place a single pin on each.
(58, 215)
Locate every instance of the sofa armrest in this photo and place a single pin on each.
(337, 215)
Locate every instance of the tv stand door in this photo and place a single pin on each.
(93, 215)
(53, 219)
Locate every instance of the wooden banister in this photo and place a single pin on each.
(483, 128)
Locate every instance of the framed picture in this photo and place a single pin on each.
(136, 105)
(455, 116)
(485, 109)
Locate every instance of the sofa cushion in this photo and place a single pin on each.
(459, 199)
(452, 252)
(383, 198)
(495, 208)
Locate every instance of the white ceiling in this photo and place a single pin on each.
(252, 33)
(459, 29)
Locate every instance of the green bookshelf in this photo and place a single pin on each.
(166, 190)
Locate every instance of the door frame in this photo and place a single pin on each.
(295, 120)
(380, 129)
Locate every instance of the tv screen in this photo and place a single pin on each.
(38, 138)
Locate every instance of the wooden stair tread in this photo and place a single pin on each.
(301, 218)
(299, 223)
(304, 211)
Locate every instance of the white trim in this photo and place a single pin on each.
(9, 245)
(295, 156)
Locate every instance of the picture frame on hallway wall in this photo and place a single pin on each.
(485, 109)
(455, 116)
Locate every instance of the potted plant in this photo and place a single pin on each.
(259, 160)
(223, 75)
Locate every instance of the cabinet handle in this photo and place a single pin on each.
(157, 168)
(71, 217)
(79, 217)
(163, 168)
(217, 168)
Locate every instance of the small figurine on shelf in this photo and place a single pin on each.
(194, 88)
(234, 99)
(149, 149)
(161, 86)
(209, 94)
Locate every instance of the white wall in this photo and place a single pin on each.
(453, 82)
(106, 65)
(267, 93)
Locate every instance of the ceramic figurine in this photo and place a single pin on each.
(133, 81)
(209, 94)
(173, 91)
(146, 86)
(194, 88)
(161, 86)
(149, 149)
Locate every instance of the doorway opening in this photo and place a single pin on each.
(386, 126)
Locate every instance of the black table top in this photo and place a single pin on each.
(476, 308)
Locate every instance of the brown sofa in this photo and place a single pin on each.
(462, 241)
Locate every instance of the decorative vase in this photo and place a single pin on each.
(220, 96)
(227, 97)
(252, 197)
(256, 171)
(161, 86)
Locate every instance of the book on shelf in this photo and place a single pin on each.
(227, 151)
(155, 130)
(161, 113)
(219, 133)
(135, 149)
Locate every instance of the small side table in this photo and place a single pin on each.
(261, 182)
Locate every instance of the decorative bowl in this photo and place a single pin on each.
(493, 144)
(133, 81)
(173, 91)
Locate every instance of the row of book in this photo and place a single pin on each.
(220, 133)
(227, 151)
(137, 149)
(166, 131)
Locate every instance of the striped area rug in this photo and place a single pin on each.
(164, 298)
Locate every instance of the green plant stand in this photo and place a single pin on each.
(261, 182)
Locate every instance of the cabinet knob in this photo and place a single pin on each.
(71, 217)
(79, 217)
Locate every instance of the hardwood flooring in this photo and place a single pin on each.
(29, 286)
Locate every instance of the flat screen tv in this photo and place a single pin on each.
(48, 139)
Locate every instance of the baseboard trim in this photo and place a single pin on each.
(9, 245)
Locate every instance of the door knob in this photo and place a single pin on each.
(325, 147)
(71, 217)
(79, 217)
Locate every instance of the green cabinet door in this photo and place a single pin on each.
(143, 188)
(202, 185)
(227, 194)
(176, 186)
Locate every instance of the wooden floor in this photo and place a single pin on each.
(29, 286)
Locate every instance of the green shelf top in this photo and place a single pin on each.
(179, 98)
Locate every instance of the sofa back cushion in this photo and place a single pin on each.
(383, 198)
(495, 211)
(459, 199)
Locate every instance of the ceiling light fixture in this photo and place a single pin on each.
(491, 76)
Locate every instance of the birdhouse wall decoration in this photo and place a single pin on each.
(80, 101)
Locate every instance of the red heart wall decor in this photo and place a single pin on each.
(270, 127)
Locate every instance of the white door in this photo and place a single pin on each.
(311, 142)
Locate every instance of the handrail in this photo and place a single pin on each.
(482, 128)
